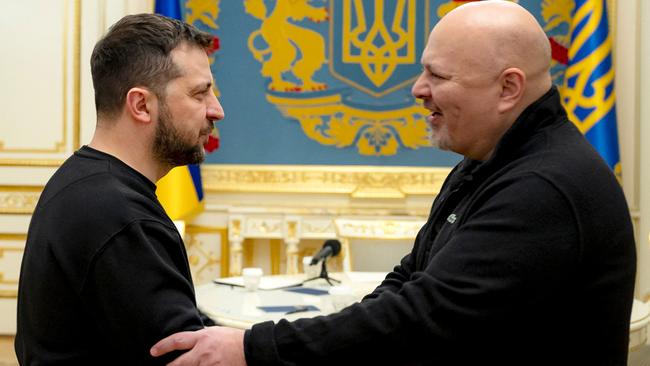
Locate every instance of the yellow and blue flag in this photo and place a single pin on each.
(181, 190)
(169, 8)
(588, 90)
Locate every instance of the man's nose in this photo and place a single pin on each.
(420, 89)
(214, 111)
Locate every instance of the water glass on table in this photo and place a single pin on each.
(252, 277)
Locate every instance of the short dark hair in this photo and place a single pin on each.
(136, 52)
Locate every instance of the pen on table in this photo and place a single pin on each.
(297, 309)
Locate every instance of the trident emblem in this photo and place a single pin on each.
(378, 49)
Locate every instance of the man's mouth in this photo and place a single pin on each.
(433, 117)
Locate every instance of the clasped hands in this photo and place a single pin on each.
(207, 347)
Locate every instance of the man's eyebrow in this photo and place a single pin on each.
(433, 68)
(428, 67)
(202, 87)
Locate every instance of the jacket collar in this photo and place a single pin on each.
(545, 111)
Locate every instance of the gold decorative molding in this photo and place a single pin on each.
(31, 162)
(7, 282)
(23, 188)
(319, 227)
(263, 227)
(378, 229)
(19, 199)
(76, 67)
(292, 229)
(248, 254)
(191, 232)
(8, 294)
(276, 255)
(2, 254)
(10, 289)
(13, 237)
(357, 181)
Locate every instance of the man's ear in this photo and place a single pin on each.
(513, 82)
(139, 104)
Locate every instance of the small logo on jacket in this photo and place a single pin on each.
(451, 218)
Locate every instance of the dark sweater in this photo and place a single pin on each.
(526, 259)
(105, 273)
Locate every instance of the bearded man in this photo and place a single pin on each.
(105, 272)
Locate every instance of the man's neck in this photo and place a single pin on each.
(136, 156)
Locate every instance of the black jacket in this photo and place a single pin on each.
(105, 273)
(527, 258)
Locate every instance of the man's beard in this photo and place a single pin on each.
(170, 146)
(438, 138)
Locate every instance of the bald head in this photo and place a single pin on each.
(484, 64)
(492, 36)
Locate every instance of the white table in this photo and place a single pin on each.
(237, 307)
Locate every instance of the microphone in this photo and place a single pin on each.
(331, 248)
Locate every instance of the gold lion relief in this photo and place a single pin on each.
(284, 40)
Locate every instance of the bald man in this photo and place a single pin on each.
(528, 256)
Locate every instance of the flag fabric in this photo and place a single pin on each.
(588, 90)
(169, 8)
(181, 190)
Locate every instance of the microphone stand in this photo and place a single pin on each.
(323, 274)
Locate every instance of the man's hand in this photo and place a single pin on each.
(207, 347)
